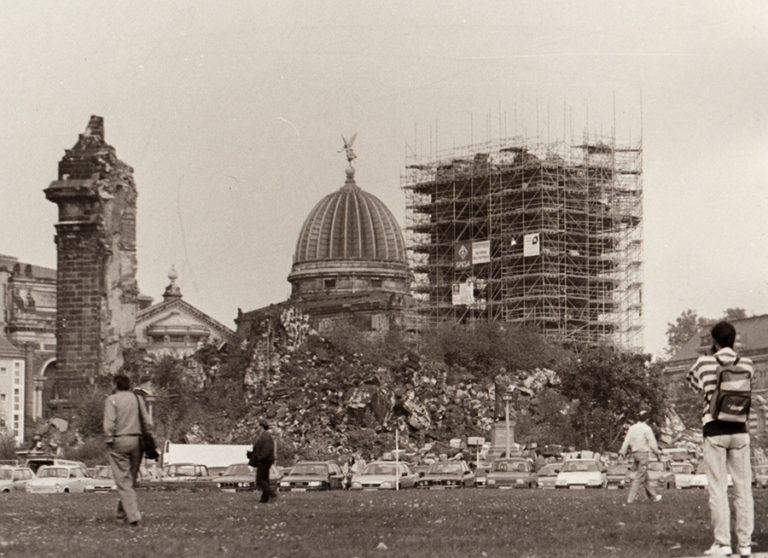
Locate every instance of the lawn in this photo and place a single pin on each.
(478, 523)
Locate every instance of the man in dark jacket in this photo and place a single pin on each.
(264, 452)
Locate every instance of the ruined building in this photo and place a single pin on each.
(96, 296)
(542, 235)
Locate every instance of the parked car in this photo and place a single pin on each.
(15, 478)
(699, 478)
(760, 476)
(447, 474)
(59, 478)
(481, 474)
(239, 477)
(581, 473)
(658, 472)
(617, 475)
(312, 475)
(384, 475)
(512, 472)
(100, 480)
(682, 474)
(547, 475)
(181, 472)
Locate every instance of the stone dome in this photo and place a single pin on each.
(350, 224)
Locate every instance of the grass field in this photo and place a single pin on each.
(478, 523)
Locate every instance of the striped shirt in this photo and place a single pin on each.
(703, 377)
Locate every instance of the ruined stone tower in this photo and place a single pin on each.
(96, 261)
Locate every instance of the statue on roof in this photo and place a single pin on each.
(347, 149)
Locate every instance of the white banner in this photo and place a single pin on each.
(481, 252)
(531, 245)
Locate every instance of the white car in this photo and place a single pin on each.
(100, 480)
(59, 478)
(15, 479)
(384, 475)
(682, 474)
(581, 473)
(699, 478)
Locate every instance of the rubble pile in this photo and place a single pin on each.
(327, 403)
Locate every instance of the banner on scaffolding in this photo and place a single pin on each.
(481, 252)
(531, 245)
(462, 255)
(463, 294)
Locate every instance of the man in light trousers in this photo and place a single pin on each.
(641, 441)
(726, 448)
(122, 429)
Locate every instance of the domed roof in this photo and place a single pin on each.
(350, 224)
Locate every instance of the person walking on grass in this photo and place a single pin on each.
(726, 439)
(264, 453)
(122, 429)
(641, 442)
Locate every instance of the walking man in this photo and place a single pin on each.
(726, 446)
(122, 428)
(641, 441)
(264, 452)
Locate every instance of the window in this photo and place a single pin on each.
(15, 391)
(329, 283)
(2, 397)
(376, 283)
(17, 380)
(3, 370)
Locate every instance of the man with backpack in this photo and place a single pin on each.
(725, 380)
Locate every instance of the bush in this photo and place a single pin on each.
(91, 452)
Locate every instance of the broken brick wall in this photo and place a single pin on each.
(96, 258)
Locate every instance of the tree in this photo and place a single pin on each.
(685, 327)
(609, 388)
(688, 323)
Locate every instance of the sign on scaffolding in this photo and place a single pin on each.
(463, 294)
(481, 252)
(462, 256)
(531, 245)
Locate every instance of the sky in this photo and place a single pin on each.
(231, 114)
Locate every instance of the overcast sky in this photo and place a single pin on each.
(231, 115)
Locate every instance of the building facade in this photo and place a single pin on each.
(12, 392)
(176, 328)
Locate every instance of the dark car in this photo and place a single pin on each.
(512, 472)
(241, 477)
(447, 474)
(617, 475)
(760, 476)
(312, 475)
(547, 475)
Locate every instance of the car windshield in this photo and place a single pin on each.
(182, 470)
(240, 469)
(681, 468)
(549, 470)
(307, 469)
(53, 472)
(6, 474)
(580, 467)
(445, 468)
(519, 466)
(380, 469)
(617, 469)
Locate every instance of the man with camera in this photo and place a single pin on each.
(262, 456)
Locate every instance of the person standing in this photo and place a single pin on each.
(726, 447)
(264, 452)
(641, 442)
(122, 429)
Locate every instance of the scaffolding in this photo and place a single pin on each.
(546, 235)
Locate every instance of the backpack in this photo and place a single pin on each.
(733, 393)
